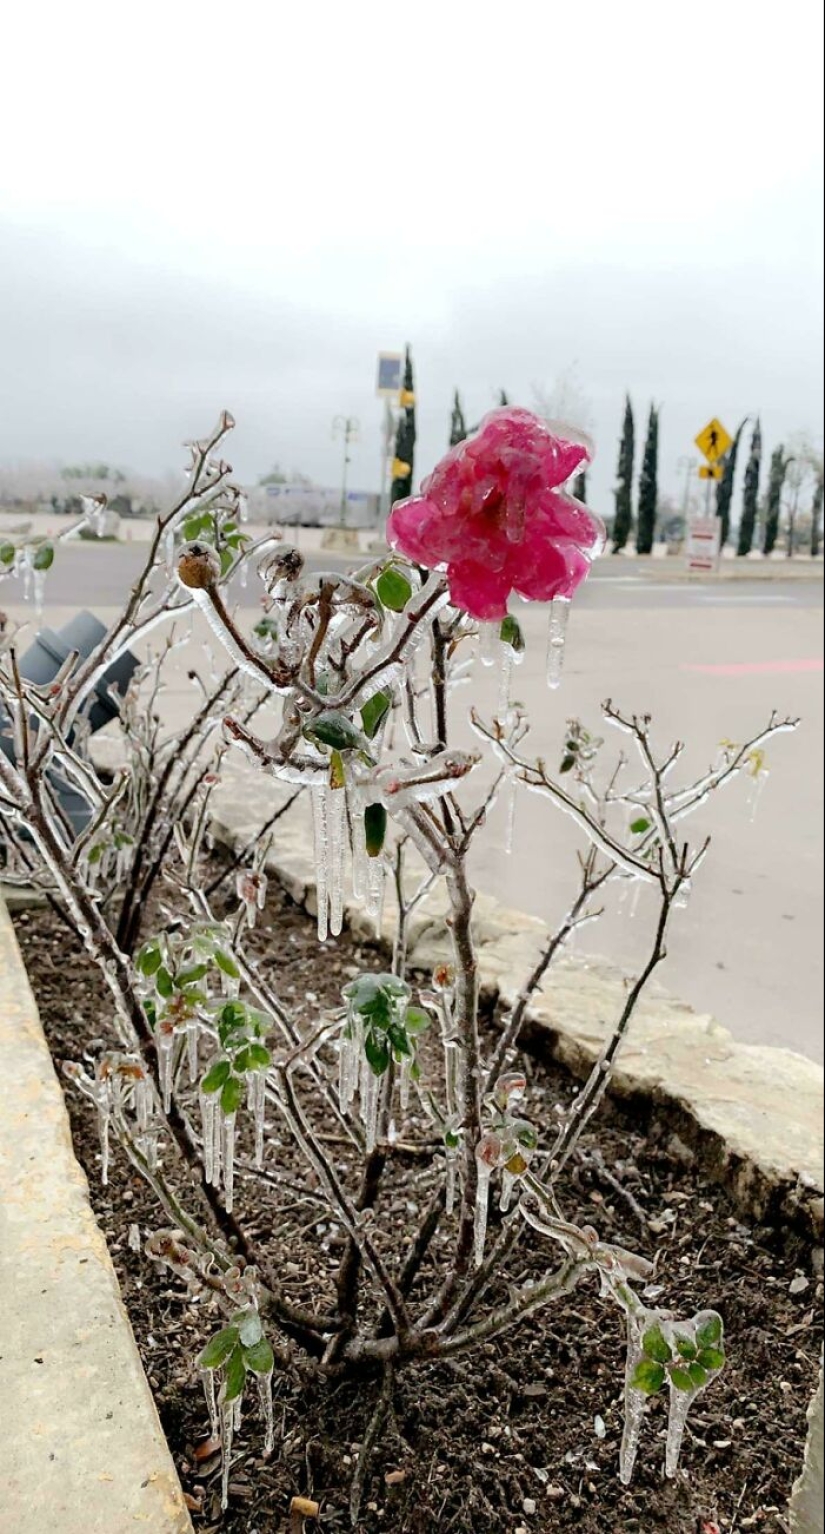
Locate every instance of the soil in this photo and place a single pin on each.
(522, 1435)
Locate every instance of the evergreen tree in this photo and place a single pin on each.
(580, 487)
(502, 399)
(458, 425)
(623, 494)
(750, 494)
(816, 515)
(773, 506)
(648, 487)
(724, 486)
(402, 469)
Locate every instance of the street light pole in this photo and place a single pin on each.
(688, 464)
(348, 427)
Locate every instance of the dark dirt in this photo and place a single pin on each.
(505, 1439)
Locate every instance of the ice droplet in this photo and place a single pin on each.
(559, 615)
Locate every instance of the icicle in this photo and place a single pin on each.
(360, 859)
(170, 547)
(320, 798)
(559, 614)
(143, 1102)
(228, 1160)
(758, 782)
(166, 1048)
(208, 1106)
(449, 1204)
(336, 806)
(404, 1078)
(39, 590)
(376, 884)
(217, 1139)
(508, 1182)
(208, 1378)
(257, 1098)
(103, 1131)
(489, 643)
(265, 1398)
(680, 1404)
(369, 1103)
(511, 789)
(482, 1200)
(192, 1032)
(227, 1431)
(505, 677)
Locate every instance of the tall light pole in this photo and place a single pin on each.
(348, 427)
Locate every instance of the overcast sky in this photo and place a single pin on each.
(207, 206)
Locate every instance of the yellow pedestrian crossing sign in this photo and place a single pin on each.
(711, 471)
(713, 441)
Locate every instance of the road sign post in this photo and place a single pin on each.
(714, 442)
(703, 543)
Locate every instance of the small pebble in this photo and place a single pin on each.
(799, 1284)
(528, 1506)
(599, 1427)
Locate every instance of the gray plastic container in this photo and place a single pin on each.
(40, 665)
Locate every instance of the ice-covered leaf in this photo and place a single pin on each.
(640, 825)
(393, 589)
(43, 557)
(334, 729)
(235, 1377)
(215, 1078)
(656, 1346)
(250, 1329)
(711, 1359)
(375, 828)
(648, 1377)
(373, 711)
(511, 634)
(260, 1357)
(149, 959)
(681, 1380)
(218, 1348)
(226, 964)
(709, 1330)
(231, 1095)
(686, 1349)
(377, 1052)
(416, 1021)
(164, 985)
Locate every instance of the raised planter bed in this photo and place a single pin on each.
(509, 1439)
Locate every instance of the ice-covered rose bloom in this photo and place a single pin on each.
(495, 515)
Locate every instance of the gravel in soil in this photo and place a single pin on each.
(522, 1435)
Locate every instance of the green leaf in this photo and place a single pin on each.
(7, 553)
(337, 775)
(226, 963)
(151, 1012)
(712, 1359)
(567, 763)
(451, 1139)
(216, 1076)
(656, 1346)
(192, 975)
(43, 557)
(250, 1329)
(218, 1348)
(393, 589)
(698, 1375)
(95, 854)
(681, 1379)
(259, 1057)
(648, 1377)
(377, 1052)
(638, 826)
(375, 828)
(260, 1357)
(709, 1334)
(416, 1021)
(511, 634)
(375, 709)
(335, 730)
(235, 1375)
(231, 1095)
(241, 1060)
(686, 1349)
(227, 561)
(164, 985)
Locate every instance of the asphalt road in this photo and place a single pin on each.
(708, 662)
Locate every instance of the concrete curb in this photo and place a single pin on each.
(83, 1449)
(754, 1112)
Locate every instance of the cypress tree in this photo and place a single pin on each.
(502, 398)
(648, 487)
(776, 479)
(623, 494)
(580, 487)
(402, 469)
(724, 486)
(458, 425)
(750, 494)
(816, 515)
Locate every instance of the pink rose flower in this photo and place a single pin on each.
(495, 516)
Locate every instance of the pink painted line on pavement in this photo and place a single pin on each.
(758, 667)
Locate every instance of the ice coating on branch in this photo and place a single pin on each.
(120, 1082)
(494, 515)
(557, 634)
